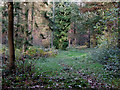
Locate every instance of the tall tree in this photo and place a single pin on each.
(17, 24)
(89, 38)
(119, 25)
(10, 36)
(52, 33)
(32, 16)
(26, 31)
(119, 32)
(4, 23)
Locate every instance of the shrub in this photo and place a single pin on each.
(108, 57)
(23, 77)
(107, 40)
(3, 49)
(38, 52)
(18, 54)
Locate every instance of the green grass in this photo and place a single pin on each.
(75, 61)
(67, 66)
(64, 57)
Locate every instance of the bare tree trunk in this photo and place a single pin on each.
(75, 41)
(11, 36)
(52, 33)
(89, 38)
(69, 42)
(95, 40)
(52, 39)
(74, 35)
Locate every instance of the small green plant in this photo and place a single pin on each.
(108, 57)
(36, 52)
(23, 76)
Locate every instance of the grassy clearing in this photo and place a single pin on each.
(74, 64)
(74, 59)
(69, 69)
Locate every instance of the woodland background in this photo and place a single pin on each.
(60, 44)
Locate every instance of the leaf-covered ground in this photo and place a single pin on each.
(74, 69)
(68, 69)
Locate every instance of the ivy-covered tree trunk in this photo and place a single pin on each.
(3, 20)
(17, 24)
(18, 16)
(4, 24)
(10, 36)
(32, 21)
(32, 16)
(63, 17)
(26, 31)
(61, 24)
(119, 25)
(119, 32)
